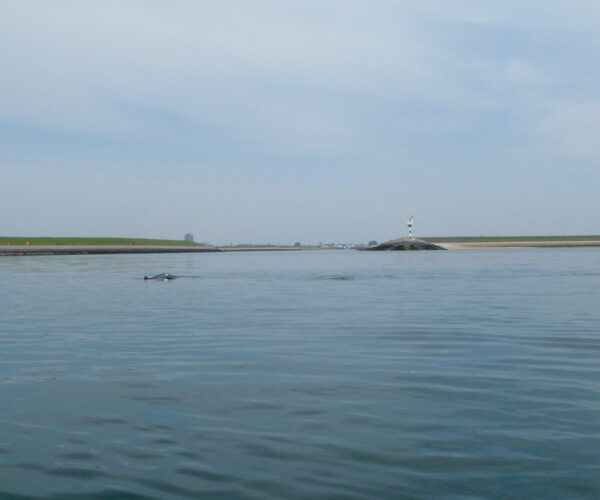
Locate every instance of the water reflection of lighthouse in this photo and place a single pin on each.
(410, 225)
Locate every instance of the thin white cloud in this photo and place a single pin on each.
(572, 129)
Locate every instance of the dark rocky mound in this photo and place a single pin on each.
(405, 244)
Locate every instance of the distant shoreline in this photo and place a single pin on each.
(32, 250)
(447, 243)
(24, 250)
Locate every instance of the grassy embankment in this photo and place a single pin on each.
(48, 241)
(509, 239)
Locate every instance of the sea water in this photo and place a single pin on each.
(325, 374)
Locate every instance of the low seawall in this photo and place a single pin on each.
(15, 250)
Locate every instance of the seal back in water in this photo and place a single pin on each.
(161, 276)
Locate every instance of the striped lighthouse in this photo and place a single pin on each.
(410, 225)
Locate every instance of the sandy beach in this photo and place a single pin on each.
(518, 244)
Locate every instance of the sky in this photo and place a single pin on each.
(313, 121)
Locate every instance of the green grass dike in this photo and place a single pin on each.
(49, 241)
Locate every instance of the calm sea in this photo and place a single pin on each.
(325, 374)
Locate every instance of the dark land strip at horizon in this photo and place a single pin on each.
(24, 246)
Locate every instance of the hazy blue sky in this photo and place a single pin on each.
(278, 121)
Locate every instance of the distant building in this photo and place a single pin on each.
(188, 237)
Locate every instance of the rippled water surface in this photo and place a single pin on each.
(301, 374)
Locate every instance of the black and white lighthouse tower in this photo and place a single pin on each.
(410, 222)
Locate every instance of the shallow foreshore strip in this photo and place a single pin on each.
(24, 250)
(472, 245)
(32, 250)
(263, 249)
